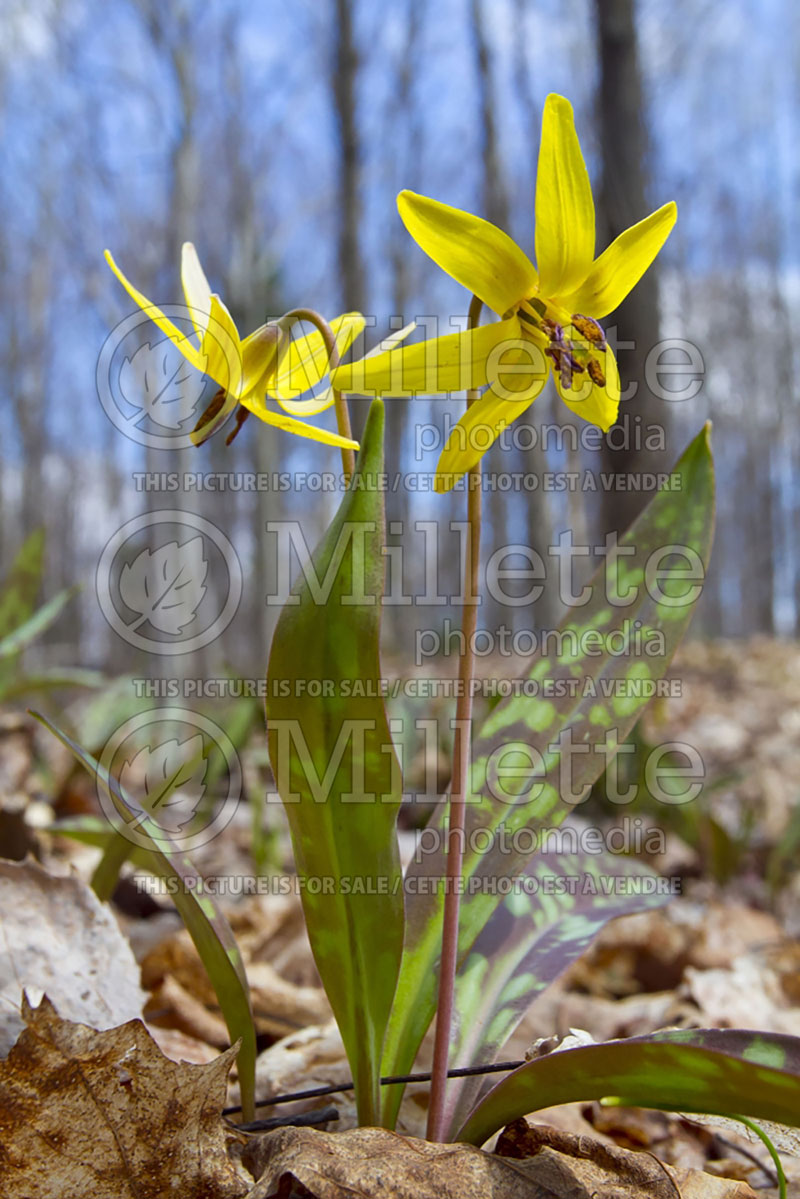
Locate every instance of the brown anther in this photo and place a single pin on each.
(596, 373)
(242, 414)
(211, 411)
(589, 328)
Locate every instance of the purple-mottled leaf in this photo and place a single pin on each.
(620, 649)
(539, 930)
(711, 1071)
(204, 920)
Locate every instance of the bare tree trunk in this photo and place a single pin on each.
(623, 201)
(539, 532)
(344, 77)
(496, 209)
(343, 85)
(495, 193)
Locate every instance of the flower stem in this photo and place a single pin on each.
(343, 425)
(458, 791)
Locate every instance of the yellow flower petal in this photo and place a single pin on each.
(195, 288)
(597, 405)
(310, 407)
(222, 349)
(434, 367)
(394, 339)
(478, 429)
(257, 406)
(306, 363)
(181, 340)
(260, 351)
(475, 252)
(621, 266)
(564, 205)
(325, 398)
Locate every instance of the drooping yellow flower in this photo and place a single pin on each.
(549, 318)
(264, 364)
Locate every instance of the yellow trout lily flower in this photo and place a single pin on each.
(247, 370)
(549, 318)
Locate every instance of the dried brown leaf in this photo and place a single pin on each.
(56, 936)
(104, 1115)
(372, 1163)
(280, 1007)
(585, 1168)
(375, 1164)
(171, 1006)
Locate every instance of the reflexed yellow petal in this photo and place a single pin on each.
(394, 339)
(181, 340)
(478, 429)
(325, 398)
(620, 267)
(434, 367)
(195, 288)
(222, 349)
(475, 252)
(564, 205)
(597, 405)
(306, 363)
(299, 427)
(310, 407)
(260, 351)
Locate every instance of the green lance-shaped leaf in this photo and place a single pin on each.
(581, 702)
(204, 921)
(336, 771)
(706, 1071)
(565, 899)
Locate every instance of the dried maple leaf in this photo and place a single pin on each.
(104, 1115)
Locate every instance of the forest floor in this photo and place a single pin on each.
(724, 953)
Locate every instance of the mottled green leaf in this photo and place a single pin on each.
(532, 937)
(336, 771)
(517, 755)
(709, 1071)
(204, 920)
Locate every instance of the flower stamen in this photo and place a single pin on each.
(590, 329)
